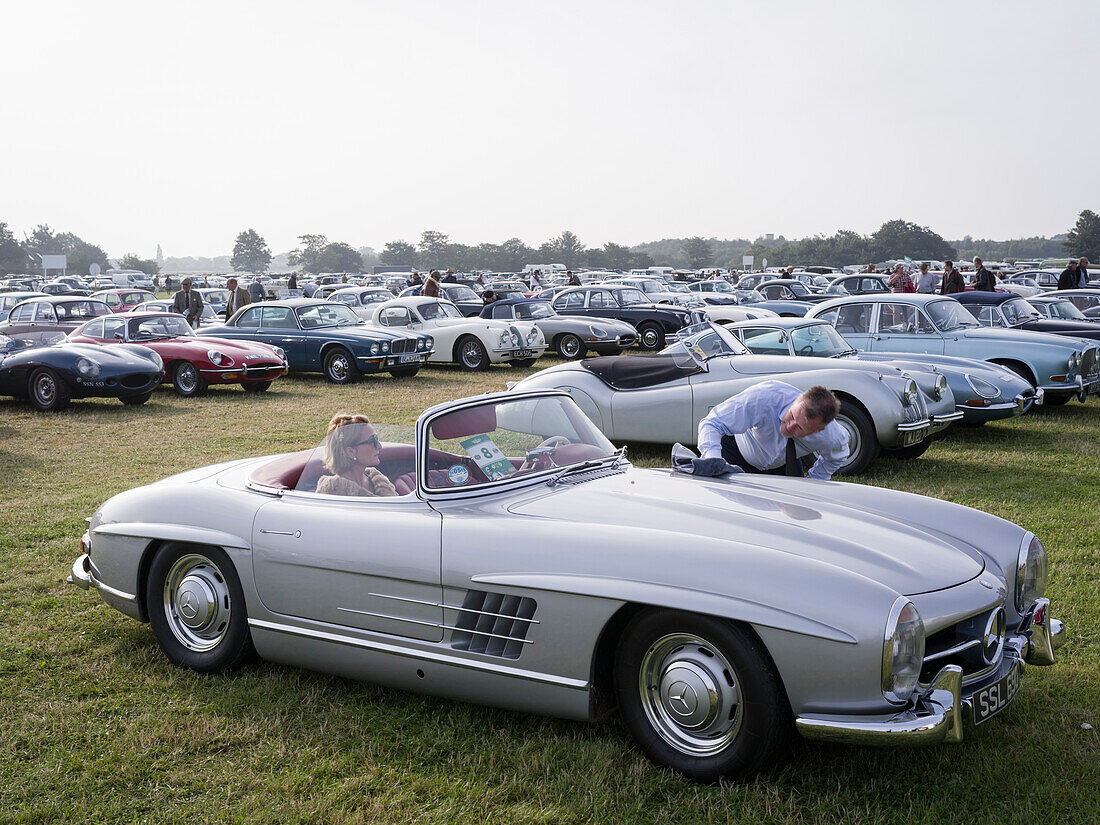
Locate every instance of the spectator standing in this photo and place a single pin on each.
(292, 281)
(571, 279)
(450, 277)
(1083, 273)
(952, 280)
(870, 268)
(487, 297)
(238, 297)
(188, 303)
(1069, 279)
(926, 281)
(984, 280)
(899, 281)
(255, 291)
(431, 286)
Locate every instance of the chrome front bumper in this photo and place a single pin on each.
(83, 575)
(939, 713)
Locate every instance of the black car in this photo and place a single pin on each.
(1010, 311)
(52, 375)
(862, 284)
(626, 303)
(48, 319)
(790, 289)
(462, 296)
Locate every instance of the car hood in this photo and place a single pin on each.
(812, 520)
(1018, 336)
(124, 356)
(1083, 329)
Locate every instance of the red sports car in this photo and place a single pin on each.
(123, 300)
(191, 362)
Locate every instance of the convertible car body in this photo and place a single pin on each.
(570, 337)
(191, 363)
(1004, 310)
(662, 398)
(983, 391)
(1063, 367)
(525, 563)
(51, 375)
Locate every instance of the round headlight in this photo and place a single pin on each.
(533, 335)
(385, 346)
(218, 358)
(87, 368)
(279, 353)
(909, 395)
(505, 338)
(982, 387)
(429, 342)
(940, 389)
(374, 348)
(597, 332)
(1031, 574)
(902, 652)
(1074, 360)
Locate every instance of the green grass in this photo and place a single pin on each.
(95, 725)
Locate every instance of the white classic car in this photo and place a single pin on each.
(524, 563)
(472, 343)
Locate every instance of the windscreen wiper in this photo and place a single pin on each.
(617, 457)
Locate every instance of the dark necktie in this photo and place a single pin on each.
(794, 466)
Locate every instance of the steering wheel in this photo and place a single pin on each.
(553, 441)
(806, 350)
(541, 457)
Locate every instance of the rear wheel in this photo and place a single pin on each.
(196, 608)
(650, 336)
(187, 381)
(48, 391)
(701, 695)
(340, 366)
(256, 386)
(863, 444)
(569, 346)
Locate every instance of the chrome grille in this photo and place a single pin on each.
(493, 623)
(975, 644)
(1089, 366)
(403, 345)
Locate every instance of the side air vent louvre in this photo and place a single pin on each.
(493, 624)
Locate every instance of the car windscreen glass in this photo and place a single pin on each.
(347, 450)
(1065, 311)
(461, 293)
(506, 440)
(798, 288)
(329, 314)
(80, 310)
(630, 296)
(216, 296)
(749, 296)
(818, 340)
(533, 311)
(705, 341)
(1018, 311)
(950, 314)
(163, 326)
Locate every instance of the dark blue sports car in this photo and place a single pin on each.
(324, 336)
(51, 375)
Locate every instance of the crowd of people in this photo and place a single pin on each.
(901, 279)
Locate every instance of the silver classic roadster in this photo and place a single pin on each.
(525, 563)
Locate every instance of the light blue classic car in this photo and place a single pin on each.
(1063, 367)
(983, 391)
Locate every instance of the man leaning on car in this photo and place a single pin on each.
(769, 427)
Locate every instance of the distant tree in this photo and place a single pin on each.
(80, 255)
(398, 253)
(305, 257)
(250, 253)
(616, 256)
(368, 255)
(898, 239)
(433, 248)
(147, 265)
(1084, 238)
(566, 248)
(13, 258)
(338, 257)
(699, 252)
(514, 255)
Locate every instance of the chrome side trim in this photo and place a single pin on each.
(422, 655)
(948, 417)
(952, 651)
(446, 606)
(910, 426)
(432, 624)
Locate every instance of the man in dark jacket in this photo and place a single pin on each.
(188, 303)
(952, 280)
(984, 280)
(1068, 278)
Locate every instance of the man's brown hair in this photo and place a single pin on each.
(821, 403)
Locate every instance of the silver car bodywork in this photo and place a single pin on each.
(520, 591)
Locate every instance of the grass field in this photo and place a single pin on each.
(96, 726)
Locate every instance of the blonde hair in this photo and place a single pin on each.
(339, 438)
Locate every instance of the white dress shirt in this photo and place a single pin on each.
(753, 418)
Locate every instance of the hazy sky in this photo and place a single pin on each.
(133, 124)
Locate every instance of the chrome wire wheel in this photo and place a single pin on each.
(197, 602)
(855, 439)
(187, 378)
(472, 355)
(570, 347)
(690, 694)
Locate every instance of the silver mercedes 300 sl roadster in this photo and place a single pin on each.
(525, 563)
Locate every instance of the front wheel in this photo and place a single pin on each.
(187, 381)
(196, 608)
(650, 336)
(569, 346)
(701, 695)
(472, 356)
(340, 366)
(48, 391)
(863, 444)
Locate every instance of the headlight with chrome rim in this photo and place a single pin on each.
(1031, 573)
(909, 393)
(940, 390)
(218, 358)
(597, 332)
(533, 335)
(982, 387)
(87, 368)
(902, 651)
(375, 348)
(279, 353)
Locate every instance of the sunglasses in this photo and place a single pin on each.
(373, 441)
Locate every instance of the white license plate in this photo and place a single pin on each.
(409, 358)
(991, 700)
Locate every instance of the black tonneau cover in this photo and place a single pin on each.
(633, 372)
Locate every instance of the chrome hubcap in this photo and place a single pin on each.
(690, 694)
(855, 442)
(338, 368)
(196, 603)
(45, 388)
(649, 338)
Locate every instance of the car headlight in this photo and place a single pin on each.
(385, 346)
(533, 335)
(218, 358)
(909, 394)
(504, 339)
(940, 390)
(87, 368)
(597, 332)
(982, 387)
(375, 349)
(429, 343)
(155, 358)
(279, 353)
(1031, 574)
(1074, 360)
(902, 651)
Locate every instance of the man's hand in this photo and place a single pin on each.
(712, 467)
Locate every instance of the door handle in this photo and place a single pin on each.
(877, 337)
(297, 533)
